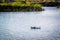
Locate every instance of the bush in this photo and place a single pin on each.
(2, 4)
(36, 5)
(13, 6)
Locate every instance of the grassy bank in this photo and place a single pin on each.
(19, 7)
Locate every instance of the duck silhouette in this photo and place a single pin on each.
(35, 27)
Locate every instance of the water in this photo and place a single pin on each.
(17, 25)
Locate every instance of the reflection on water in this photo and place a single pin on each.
(16, 25)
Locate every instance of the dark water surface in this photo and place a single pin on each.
(16, 25)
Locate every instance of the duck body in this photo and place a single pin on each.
(35, 28)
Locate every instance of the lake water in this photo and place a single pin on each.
(17, 25)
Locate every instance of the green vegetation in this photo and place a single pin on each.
(35, 7)
(24, 5)
(18, 6)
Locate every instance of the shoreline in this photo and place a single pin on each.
(19, 9)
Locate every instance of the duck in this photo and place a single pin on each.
(35, 27)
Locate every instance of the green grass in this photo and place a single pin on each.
(22, 7)
(19, 4)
